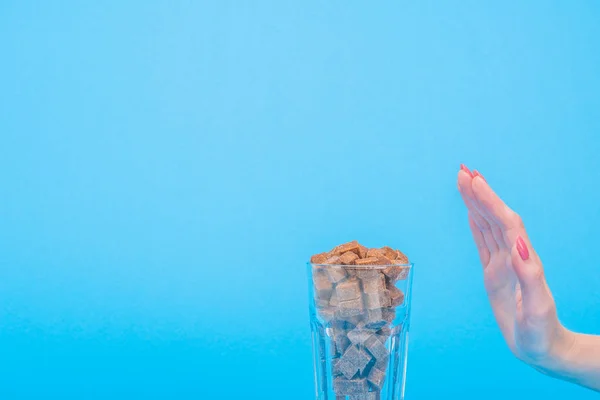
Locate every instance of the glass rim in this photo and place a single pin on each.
(372, 266)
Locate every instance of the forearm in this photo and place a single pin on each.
(580, 361)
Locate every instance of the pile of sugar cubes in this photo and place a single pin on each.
(356, 296)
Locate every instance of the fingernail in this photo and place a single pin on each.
(476, 173)
(464, 168)
(522, 249)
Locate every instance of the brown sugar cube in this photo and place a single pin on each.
(354, 360)
(362, 360)
(348, 290)
(364, 273)
(393, 272)
(375, 253)
(382, 338)
(335, 273)
(333, 260)
(374, 283)
(362, 251)
(376, 378)
(316, 269)
(359, 336)
(340, 341)
(375, 319)
(335, 369)
(396, 272)
(388, 314)
(343, 248)
(390, 253)
(323, 289)
(346, 387)
(323, 297)
(327, 313)
(333, 300)
(352, 316)
(376, 348)
(401, 257)
(385, 331)
(352, 271)
(321, 281)
(322, 302)
(377, 300)
(359, 325)
(383, 261)
(338, 326)
(367, 261)
(343, 369)
(403, 274)
(319, 258)
(348, 258)
(365, 396)
(350, 308)
(382, 363)
(342, 344)
(396, 296)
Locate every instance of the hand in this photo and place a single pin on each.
(514, 279)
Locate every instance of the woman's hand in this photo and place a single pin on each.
(517, 290)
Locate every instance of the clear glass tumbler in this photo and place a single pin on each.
(359, 318)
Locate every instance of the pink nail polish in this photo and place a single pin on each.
(476, 173)
(464, 168)
(522, 249)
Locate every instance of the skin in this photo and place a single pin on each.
(518, 293)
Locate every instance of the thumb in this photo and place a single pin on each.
(537, 300)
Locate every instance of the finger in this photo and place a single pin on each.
(499, 284)
(493, 206)
(482, 248)
(510, 223)
(536, 300)
(464, 187)
(496, 229)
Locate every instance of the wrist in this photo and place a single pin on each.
(558, 358)
(562, 358)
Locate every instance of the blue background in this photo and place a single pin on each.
(168, 167)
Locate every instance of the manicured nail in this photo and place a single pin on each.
(522, 249)
(464, 168)
(476, 173)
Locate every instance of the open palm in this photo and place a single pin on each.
(513, 275)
